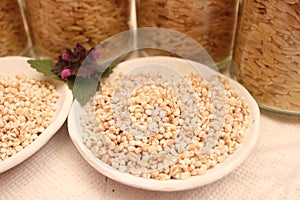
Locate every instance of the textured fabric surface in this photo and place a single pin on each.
(58, 171)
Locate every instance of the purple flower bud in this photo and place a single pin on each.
(65, 74)
(96, 54)
(65, 57)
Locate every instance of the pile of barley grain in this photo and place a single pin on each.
(26, 110)
(13, 39)
(210, 23)
(164, 129)
(56, 25)
(267, 56)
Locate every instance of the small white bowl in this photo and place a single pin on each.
(220, 170)
(13, 65)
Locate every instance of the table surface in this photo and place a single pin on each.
(58, 171)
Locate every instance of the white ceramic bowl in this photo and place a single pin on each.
(220, 170)
(11, 66)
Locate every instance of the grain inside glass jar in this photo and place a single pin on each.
(56, 25)
(267, 56)
(210, 23)
(13, 38)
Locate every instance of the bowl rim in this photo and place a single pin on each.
(212, 175)
(66, 99)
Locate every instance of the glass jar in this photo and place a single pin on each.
(211, 23)
(13, 37)
(266, 58)
(56, 25)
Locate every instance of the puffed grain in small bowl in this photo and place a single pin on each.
(165, 124)
(32, 107)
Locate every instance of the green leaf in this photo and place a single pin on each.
(84, 89)
(110, 68)
(44, 66)
(70, 82)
